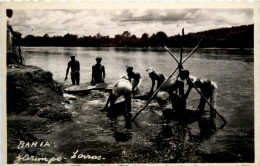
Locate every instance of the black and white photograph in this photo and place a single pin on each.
(126, 85)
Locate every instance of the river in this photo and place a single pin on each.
(150, 139)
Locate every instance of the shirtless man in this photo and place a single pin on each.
(121, 87)
(207, 88)
(160, 78)
(98, 72)
(173, 89)
(137, 79)
(75, 68)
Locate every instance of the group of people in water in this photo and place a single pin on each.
(171, 89)
(98, 71)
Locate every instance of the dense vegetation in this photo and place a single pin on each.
(234, 37)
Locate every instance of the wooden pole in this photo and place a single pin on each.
(165, 81)
(221, 117)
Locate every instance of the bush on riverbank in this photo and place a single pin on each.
(231, 37)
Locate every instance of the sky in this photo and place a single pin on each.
(136, 21)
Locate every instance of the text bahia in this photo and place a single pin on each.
(34, 144)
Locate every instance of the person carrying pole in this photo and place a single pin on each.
(208, 90)
(137, 79)
(98, 72)
(75, 68)
(121, 87)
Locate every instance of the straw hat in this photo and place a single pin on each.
(150, 70)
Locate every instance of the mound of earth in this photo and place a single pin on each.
(32, 91)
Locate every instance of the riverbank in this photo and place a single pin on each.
(34, 101)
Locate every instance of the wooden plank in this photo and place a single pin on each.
(142, 96)
(85, 87)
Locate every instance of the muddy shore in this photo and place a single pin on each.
(34, 101)
(41, 122)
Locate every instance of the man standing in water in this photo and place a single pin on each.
(98, 72)
(137, 79)
(121, 87)
(75, 68)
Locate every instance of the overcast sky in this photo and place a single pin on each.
(111, 22)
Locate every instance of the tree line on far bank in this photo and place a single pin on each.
(234, 37)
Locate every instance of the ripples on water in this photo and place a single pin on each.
(150, 139)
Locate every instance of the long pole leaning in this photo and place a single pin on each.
(171, 54)
(154, 95)
(212, 108)
(224, 120)
(194, 49)
(166, 80)
(182, 45)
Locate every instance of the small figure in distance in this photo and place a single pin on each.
(121, 87)
(207, 88)
(98, 72)
(10, 31)
(160, 78)
(137, 79)
(75, 68)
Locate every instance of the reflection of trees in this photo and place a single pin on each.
(234, 37)
(176, 142)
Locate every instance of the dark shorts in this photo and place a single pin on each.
(75, 77)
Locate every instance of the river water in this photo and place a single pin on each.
(150, 139)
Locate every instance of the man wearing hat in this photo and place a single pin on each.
(207, 88)
(159, 77)
(75, 68)
(98, 72)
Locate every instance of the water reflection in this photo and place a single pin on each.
(121, 132)
(225, 66)
(179, 143)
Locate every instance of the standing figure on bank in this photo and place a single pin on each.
(137, 79)
(75, 68)
(207, 88)
(14, 54)
(98, 72)
(121, 87)
(160, 78)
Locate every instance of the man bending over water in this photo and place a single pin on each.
(173, 89)
(207, 88)
(137, 79)
(160, 78)
(75, 68)
(121, 87)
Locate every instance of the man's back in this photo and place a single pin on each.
(98, 69)
(74, 65)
